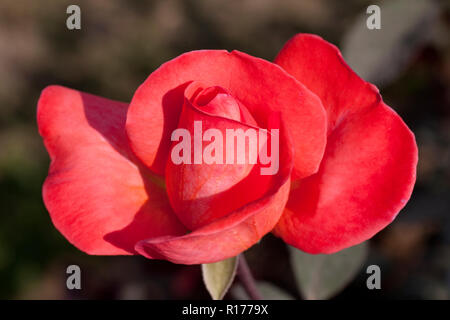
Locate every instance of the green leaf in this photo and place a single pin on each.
(272, 292)
(268, 291)
(218, 276)
(379, 56)
(324, 275)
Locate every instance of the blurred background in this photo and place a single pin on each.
(122, 42)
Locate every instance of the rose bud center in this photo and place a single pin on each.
(213, 161)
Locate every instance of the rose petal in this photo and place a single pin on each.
(369, 167)
(202, 193)
(260, 85)
(320, 67)
(233, 233)
(216, 100)
(96, 196)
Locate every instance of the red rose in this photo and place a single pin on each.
(346, 161)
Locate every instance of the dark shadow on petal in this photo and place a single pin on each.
(173, 99)
(108, 120)
(155, 212)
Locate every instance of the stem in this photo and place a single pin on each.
(245, 276)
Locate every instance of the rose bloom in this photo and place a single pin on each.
(347, 161)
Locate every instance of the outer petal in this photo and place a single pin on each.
(96, 196)
(320, 67)
(230, 235)
(260, 85)
(369, 167)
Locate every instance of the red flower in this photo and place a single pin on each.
(346, 160)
